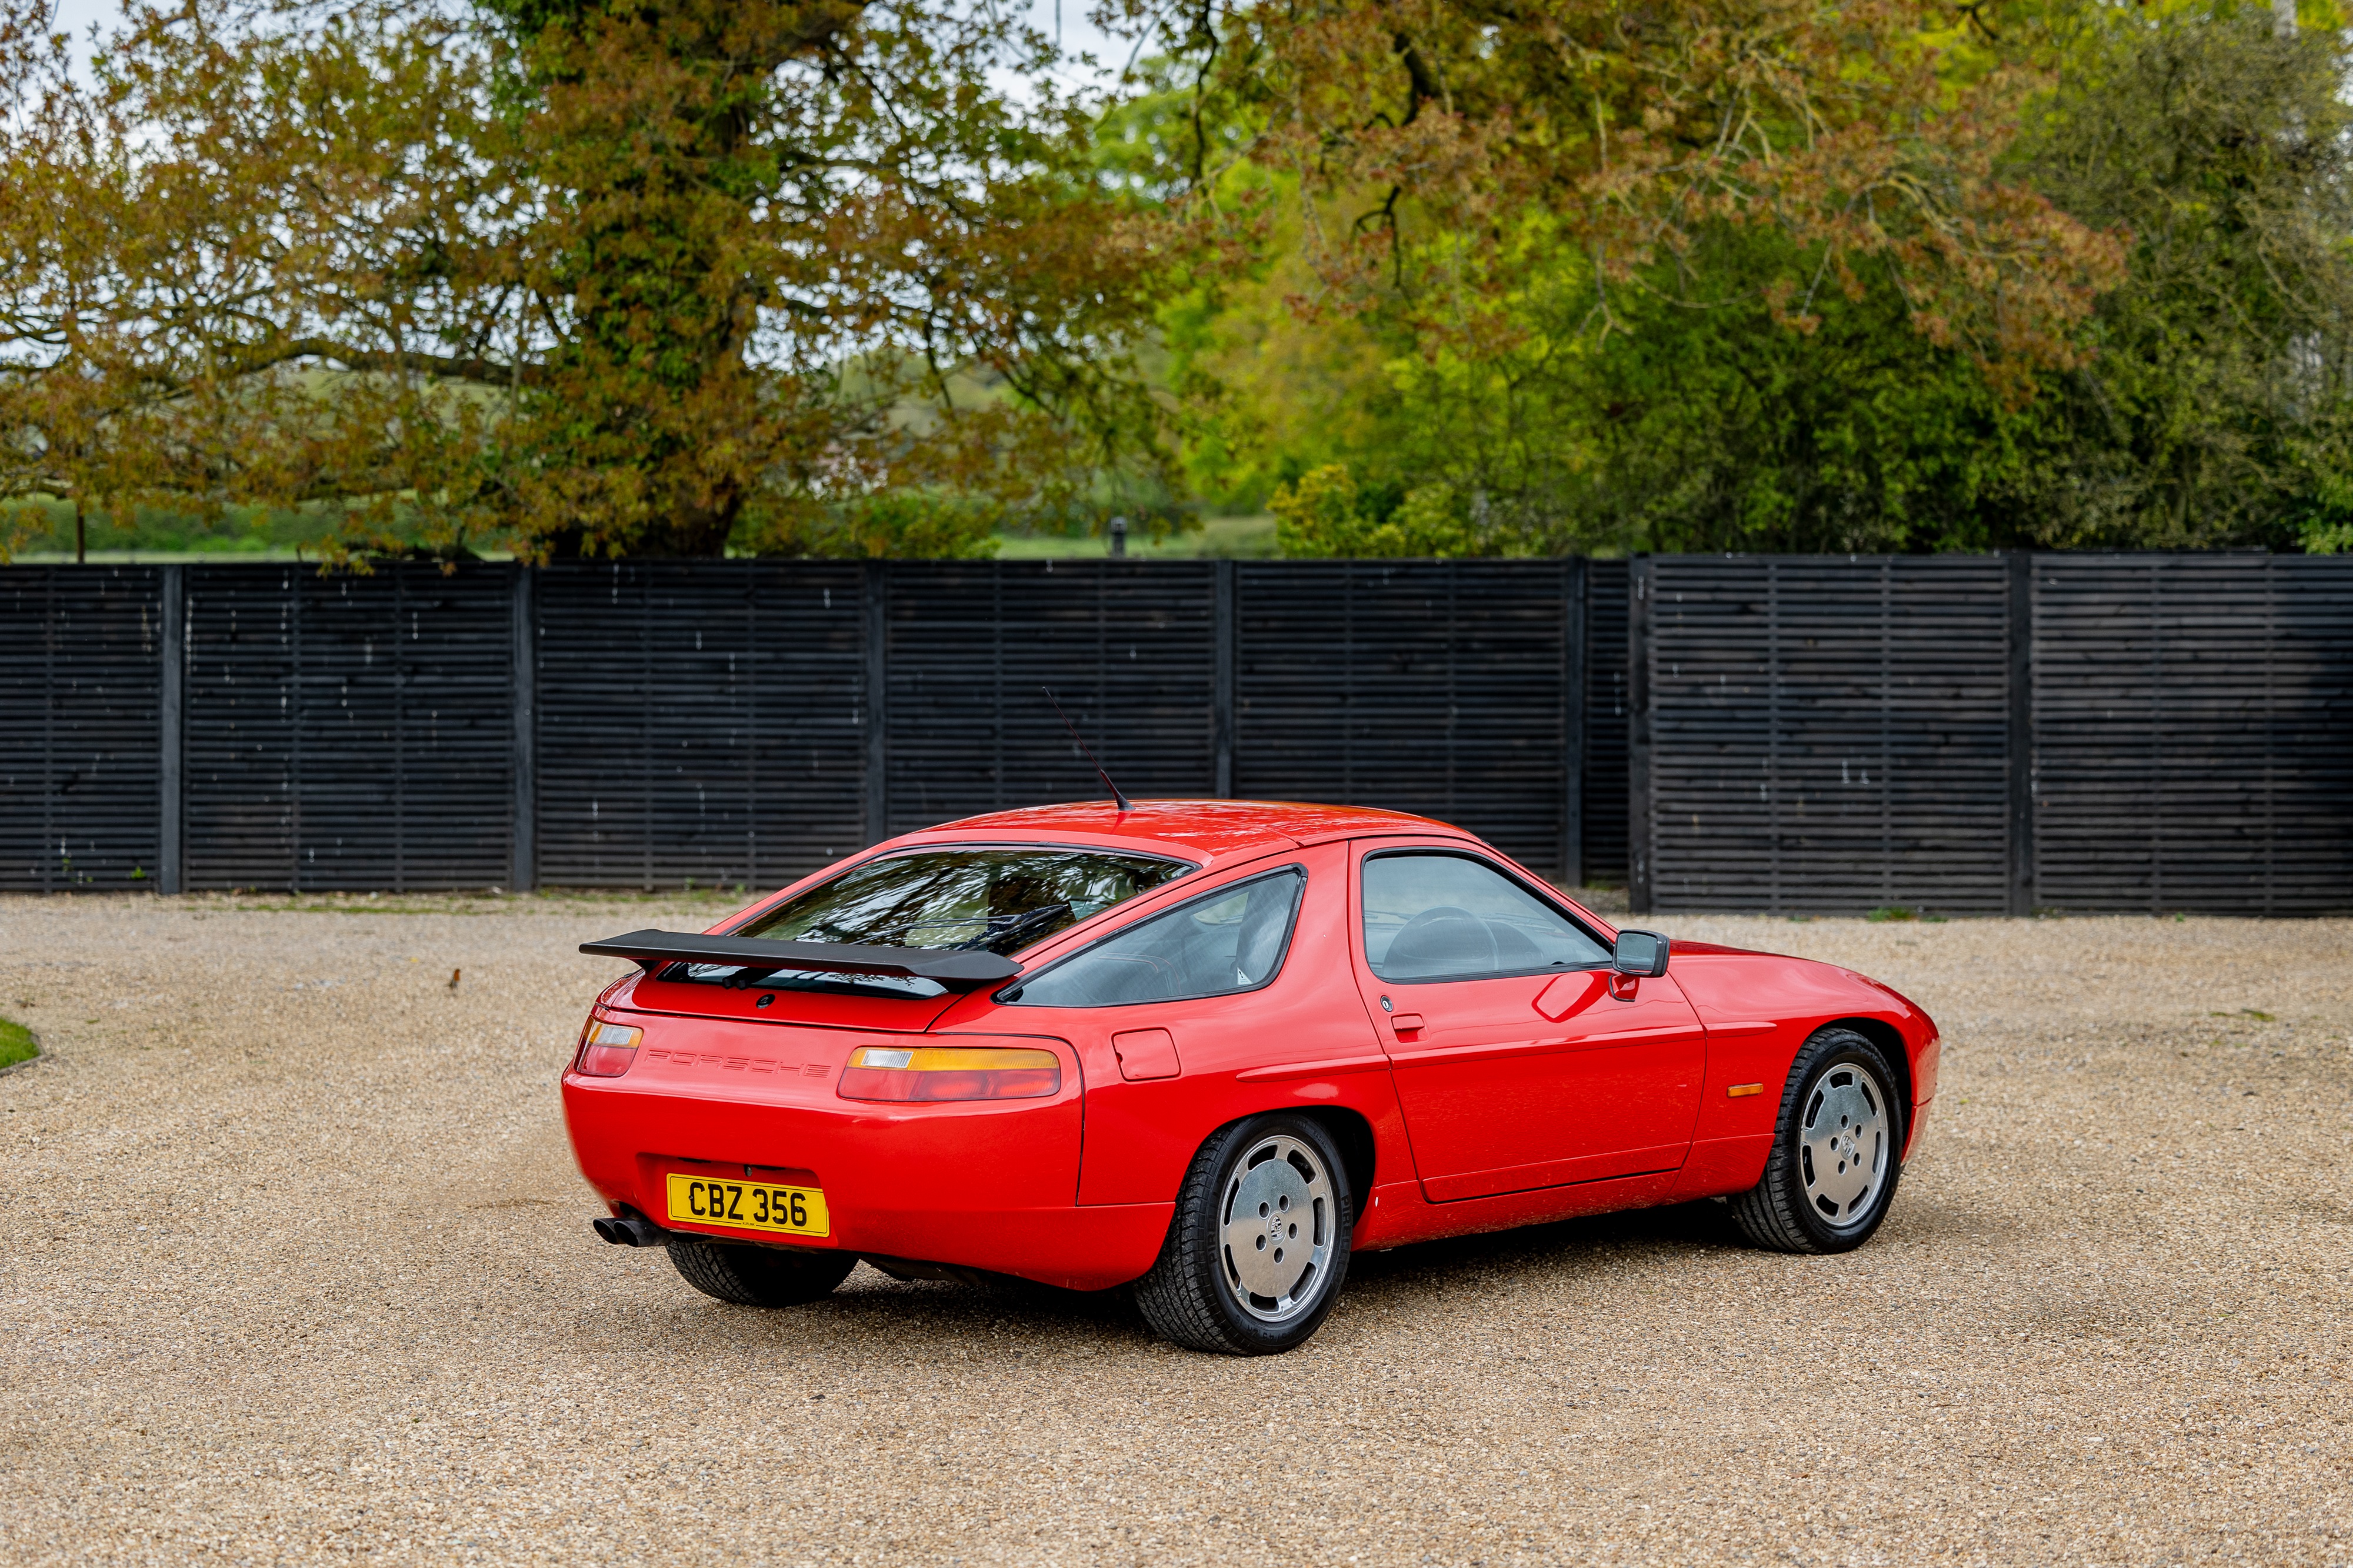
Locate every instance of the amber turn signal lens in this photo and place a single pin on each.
(950, 1072)
(606, 1050)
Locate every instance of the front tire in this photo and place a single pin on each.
(1836, 1151)
(750, 1276)
(1258, 1244)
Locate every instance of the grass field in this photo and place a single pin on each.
(1221, 538)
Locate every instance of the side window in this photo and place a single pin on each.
(1447, 917)
(1232, 940)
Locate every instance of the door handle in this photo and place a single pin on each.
(1406, 1022)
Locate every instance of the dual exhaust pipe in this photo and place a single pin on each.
(632, 1229)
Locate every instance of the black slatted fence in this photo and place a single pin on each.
(1608, 703)
(1828, 734)
(2194, 733)
(81, 760)
(1971, 735)
(1450, 690)
(1988, 734)
(696, 722)
(970, 651)
(345, 731)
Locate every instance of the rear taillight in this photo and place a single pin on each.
(950, 1072)
(606, 1050)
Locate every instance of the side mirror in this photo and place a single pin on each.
(1639, 952)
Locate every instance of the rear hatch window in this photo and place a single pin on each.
(994, 899)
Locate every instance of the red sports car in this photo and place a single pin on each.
(1210, 1048)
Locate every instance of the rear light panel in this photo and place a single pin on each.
(950, 1072)
(607, 1049)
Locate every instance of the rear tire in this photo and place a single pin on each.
(1258, 1244)
(1836, 1151)
(757, 1276)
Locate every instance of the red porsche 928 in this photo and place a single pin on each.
(1210, 1048)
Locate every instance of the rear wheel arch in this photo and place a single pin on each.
(1350, 1129)
(1353, 1134)
(1207, 1291)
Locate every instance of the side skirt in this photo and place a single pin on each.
(1398, 1216)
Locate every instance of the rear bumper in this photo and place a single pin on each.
(989, 1185)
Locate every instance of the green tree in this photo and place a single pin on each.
(1324, 515)
(656, 278)
(1751, 383)
(2215, 407)
(1504, 232)
(96, 403)
(1717, 428)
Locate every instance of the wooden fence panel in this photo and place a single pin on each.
(1447, 689)
(972, 647)
(1961, 734)
(80, 750)
(1828, 734)
(697, 722)
(2194, 733)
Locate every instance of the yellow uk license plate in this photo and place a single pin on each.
(748, 1206)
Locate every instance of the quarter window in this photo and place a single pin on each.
(1229, 940)
(1449, 916)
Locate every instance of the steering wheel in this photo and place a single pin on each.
(1446, 963)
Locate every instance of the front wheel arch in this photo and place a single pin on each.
(1779, 1212)
(1892, 1044)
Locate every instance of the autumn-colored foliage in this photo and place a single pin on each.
(654, 280)
(1424, 276)
(1768, 275)
(1450, 154)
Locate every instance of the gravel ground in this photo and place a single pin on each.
(297, 1268)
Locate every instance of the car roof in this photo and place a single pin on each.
(1205, 830)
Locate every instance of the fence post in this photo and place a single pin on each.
(293, 581)
(876, 575)
(51, 855)
(1221, 660)
(523, 840)
(2157, 735)
(1639, 578)
(2021, 758)
(1574, 578)
(170, 683)
(400, 575)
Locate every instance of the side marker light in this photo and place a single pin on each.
(1738, 1090)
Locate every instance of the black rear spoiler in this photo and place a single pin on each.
(956, 968)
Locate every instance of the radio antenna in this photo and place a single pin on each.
(1124, 804)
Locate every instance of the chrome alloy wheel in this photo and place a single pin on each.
(1842, 1144)
(1275, 1225)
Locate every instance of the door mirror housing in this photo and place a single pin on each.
(1639, 952)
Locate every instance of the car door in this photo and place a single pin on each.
(1520, 1061)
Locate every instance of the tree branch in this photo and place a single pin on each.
(448, 367)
